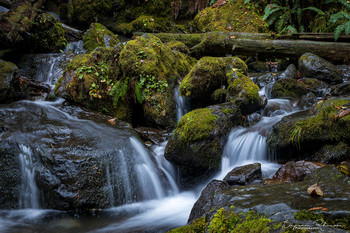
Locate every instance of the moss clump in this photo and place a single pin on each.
(98, 36)
(84, 12)
(178, 46)
(145, 23)
(229, 221)
(208, 75)
(196, 125)
(29, 28)
(219, 96)
(342, 223)
(308, 134)
(289, 88)
(245, 93)
(234, 16)
(6, 71)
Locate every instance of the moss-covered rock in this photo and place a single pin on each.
(288, 89)
(131, 82)
(208, 75)
(84, 12)
(313, 66)
(300, 135)
(26, 27)
(195, 146)
(244, 92)
(98, 36)
(234, 16)
(145, 23)
(333, 153)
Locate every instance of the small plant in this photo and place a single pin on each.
(296, 135)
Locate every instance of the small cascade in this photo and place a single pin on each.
(29, 192)
(182, 104)
(3, 10)
(76, 47)
(248, 145)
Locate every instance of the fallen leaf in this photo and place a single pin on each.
(112, 121)
(315, 189)
(318, 208)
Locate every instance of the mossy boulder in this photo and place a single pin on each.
(313, 66)
(26, 27)
(98, 36)
(195, 146)
(208, 75)
(300, 135)
(132, 82)
(83, 12)
(244, 92)
(233, 16)
(288, 89)
(146, 23)
(333, 153)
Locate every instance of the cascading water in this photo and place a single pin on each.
(182, 105)
(29, 197)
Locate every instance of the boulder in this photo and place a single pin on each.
(294, 171)
(313, 66)
(98, 36)
(289, 89)
(203, 205)
(300, 135)
(333, 153)
(290, 72)
(230, 16)
(7, 73)
(243, 92)
(208, 75)
(244, 175)
(26, 27)
(342, 89)
(195, 146)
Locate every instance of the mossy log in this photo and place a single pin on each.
(72, 34)
(257, 44)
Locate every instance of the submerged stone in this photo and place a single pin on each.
(244, 175)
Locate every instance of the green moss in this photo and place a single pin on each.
(6, 71)
(219, 95)
(83, 12)
(289, 88)
(208, 75)
(322, 127)
(233, 16)
(98, 36)
(322, 219)
(229, 221)
(196, 125)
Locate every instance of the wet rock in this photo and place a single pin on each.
(342, 89)
(263, 80)
(306, 101)
(98, 36)
(344, 71)
(333, 153)
(283, 199)
(316, 86)
(313, 66)
(155, 136)
(344, 167)
(290, 72)
(254, 118)
(203, 204)
(244, 175)
(195, 146)
(300, 135)
(259, 66)
(7, 73)
(208, 75)
(288, 88)
(243, 92)
(277, 107)
(294, 171)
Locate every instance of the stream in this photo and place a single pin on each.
(139, 182)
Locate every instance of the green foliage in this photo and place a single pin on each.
(119, 90)
(295, 136)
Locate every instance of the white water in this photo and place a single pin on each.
(182, 104)
(29, 197)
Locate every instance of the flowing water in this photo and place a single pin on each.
(139, 181)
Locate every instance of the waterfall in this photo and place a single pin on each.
(248, 145)
(182, 104)
(28, 192)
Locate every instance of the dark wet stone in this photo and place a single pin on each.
(254, 118)
(342, 89)
(203, 204)
(290, 72)
(333, 153)
(244, 175)
(313, 66)
(155, 136)
(306, 101)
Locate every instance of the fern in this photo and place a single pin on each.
(138, 92)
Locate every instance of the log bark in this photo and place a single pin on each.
(262, 45)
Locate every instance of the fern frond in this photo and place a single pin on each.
(338, 31)
(347, 28)
(318, 11)
(138, 92)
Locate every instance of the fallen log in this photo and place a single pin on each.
(262, 45)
